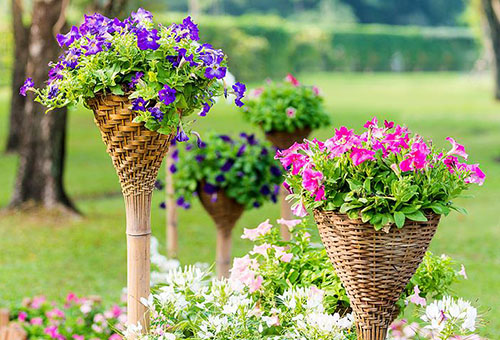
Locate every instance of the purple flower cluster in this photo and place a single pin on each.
(28, 84)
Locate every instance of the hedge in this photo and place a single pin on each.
(267, 46)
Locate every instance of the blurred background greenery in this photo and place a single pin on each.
(426, 64)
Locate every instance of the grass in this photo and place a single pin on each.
(52, 255)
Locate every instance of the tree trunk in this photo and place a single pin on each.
(17, 102)
(492, 13)
(42, 148)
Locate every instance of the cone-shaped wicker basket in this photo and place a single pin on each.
(284, 139)
(137, 154)
(374, 266)
(225, 212)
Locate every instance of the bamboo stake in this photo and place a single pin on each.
(171, 210)
(138, 209)
(286, 213)
(4, 317)
(223, 250)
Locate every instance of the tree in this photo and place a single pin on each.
(109, 8)
(491, 10)
(42, 148)
(17, 102)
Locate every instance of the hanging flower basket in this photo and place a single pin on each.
(284, 139)
(142, 80)
(377, 199)
(136, 152)
(374, 266)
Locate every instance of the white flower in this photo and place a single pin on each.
(133, 331)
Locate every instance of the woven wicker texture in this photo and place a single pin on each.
(225, 211)
(136, 152)
(374, 266)
(283, 139)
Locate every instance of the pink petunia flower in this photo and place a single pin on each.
(360, 155)
(291, 111)
(78, 337)
(311, 180)
(115, 337)
(22, 316)
(292, 80)
(293, 157)
(456, 149)
(262, 249)
(38, 301)
(316, 90)
(343, 141)
(36, 321)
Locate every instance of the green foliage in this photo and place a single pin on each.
(286, 46)
(286, 106)
(241, 167)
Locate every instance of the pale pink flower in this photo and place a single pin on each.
(286, 257)
(255, 284)
(36, 321)
(462, 272)
(299, 209)
(316, 90)
(262, 249)
(282, 254)
(78, 337)
(257, 92)
(307, 236)
(416, 298)
(289, 223)
(456, 149)
(291, 111)
(38, 301)
(55, 313)
(253, 234)
(271, 320)
(115, 337)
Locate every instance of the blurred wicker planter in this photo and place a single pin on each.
(284, 139)
(374, 266)
(225, 212)
(137, 154)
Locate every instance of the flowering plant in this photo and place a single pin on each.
(286, 106)
(279, 290)
(242, 167)
(163, 68)
(78, 319)
(383, 176)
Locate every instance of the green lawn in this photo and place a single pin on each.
(53, 255)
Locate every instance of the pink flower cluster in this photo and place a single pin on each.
(392, 142)
(244, 274)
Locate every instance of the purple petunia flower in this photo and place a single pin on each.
(264, 152)
(139, 104)
(264, 190)
(201, 144)
(94, 24)
(167, 95)
(240, 174)
(158, 185)
(275, 171)
(93, 46)
(191, 27)
(199, 158)
(115, 25)
(227, 166)
(68, 38)
(135, 79)
(156, 113)
(226, 139)
(256, 204)
(220, 178)
(209, 56)
(148, 40)
(28, 84)
(55, 73)
(181, 135)
(173, 169)
(217, 73)
(239, 91)
(181, 202)
(53, 92)
(71, 57)
(209, 188)
(163, 205)
(204, 111)
(175, 155)
(241, 150)
(274, 198)
(141, 16)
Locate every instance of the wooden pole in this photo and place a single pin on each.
(286, 213)
(171, 210)
(223, 250)
(138, 209)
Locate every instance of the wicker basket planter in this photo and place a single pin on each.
(225, 212)
(284, 139)
(137, 154)
(374, 266)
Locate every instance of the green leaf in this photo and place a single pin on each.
(117, 89)
(416, 216)
(399, 219)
